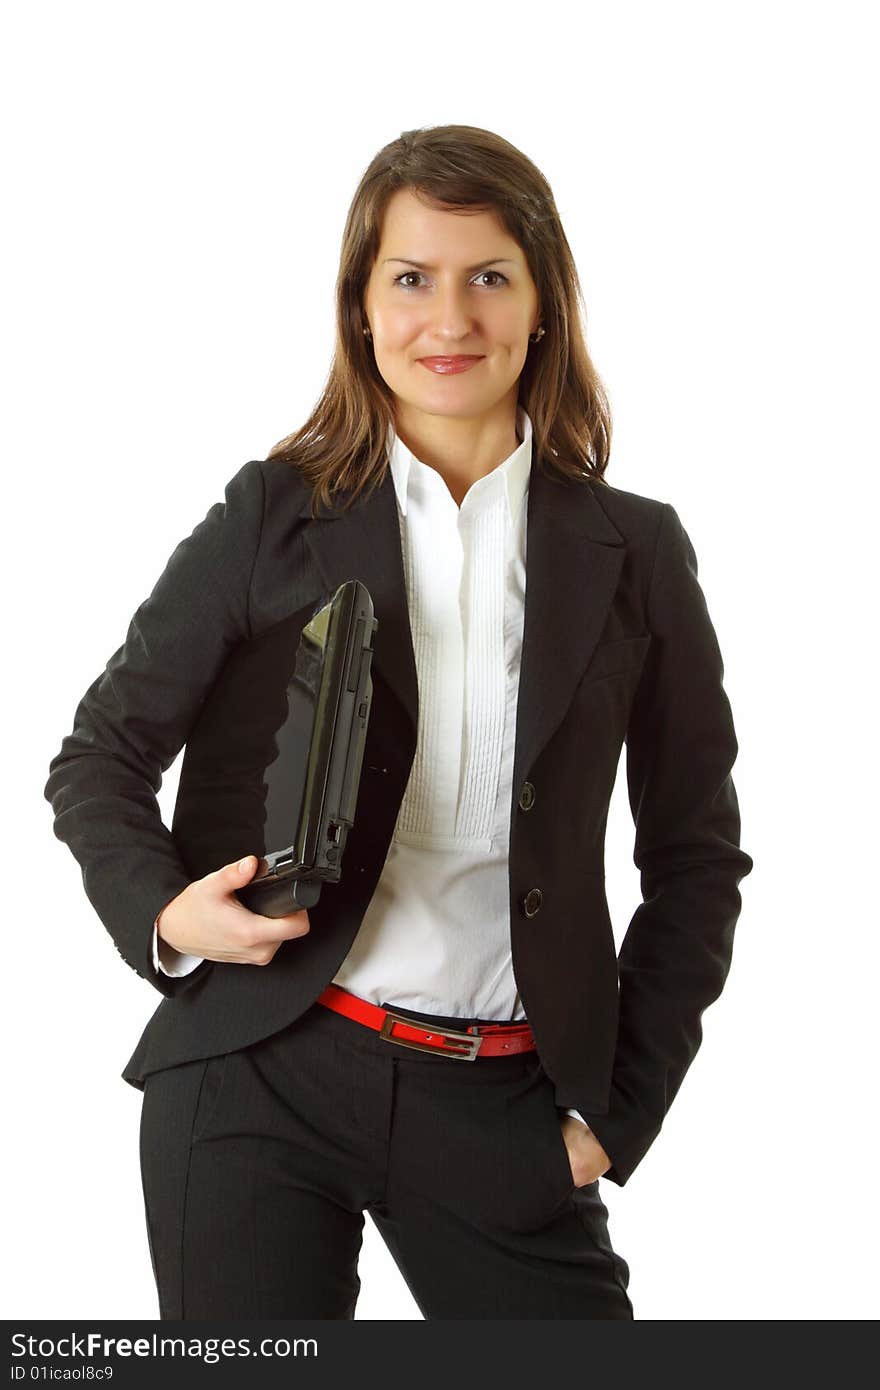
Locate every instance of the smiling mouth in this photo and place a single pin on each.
(450, 364)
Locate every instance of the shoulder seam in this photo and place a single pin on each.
(250, 586)
(664, 512)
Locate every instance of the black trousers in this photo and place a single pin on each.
(258, 1166)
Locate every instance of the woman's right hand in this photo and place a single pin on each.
(208, 920)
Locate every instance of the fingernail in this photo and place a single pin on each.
(244, 864)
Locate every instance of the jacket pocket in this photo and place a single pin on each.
(615, 658)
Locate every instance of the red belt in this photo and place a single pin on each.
(479, 1040)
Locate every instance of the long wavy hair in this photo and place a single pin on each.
(341, 448)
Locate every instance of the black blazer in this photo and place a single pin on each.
(618, 646)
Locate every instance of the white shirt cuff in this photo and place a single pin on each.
(169, 961)
(578, 1116)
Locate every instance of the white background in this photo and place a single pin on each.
(176, 180)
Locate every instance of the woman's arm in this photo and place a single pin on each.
(675, 956)
(135, 717)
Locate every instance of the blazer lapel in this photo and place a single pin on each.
(574, 556)
(364, 543)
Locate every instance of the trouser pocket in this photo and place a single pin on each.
(539, 1176)
(210, 1095)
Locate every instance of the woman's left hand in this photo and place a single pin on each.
(585, 1154)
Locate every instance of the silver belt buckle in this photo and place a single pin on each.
(465, 1048)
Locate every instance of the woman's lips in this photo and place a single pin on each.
(446, 366)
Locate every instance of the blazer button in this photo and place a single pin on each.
(532, 902)
(527, 797)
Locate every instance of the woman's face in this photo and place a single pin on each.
(472, 293)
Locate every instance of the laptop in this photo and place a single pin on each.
(273, 763)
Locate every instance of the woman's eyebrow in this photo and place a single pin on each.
(420, 265)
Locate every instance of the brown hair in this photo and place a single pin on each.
(341, 447)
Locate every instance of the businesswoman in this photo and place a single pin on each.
(448, 1039)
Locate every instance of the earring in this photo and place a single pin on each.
(367, 333)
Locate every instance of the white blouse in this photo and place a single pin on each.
(436, 935)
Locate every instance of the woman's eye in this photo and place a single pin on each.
(416, 274)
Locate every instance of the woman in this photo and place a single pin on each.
(460, 445)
